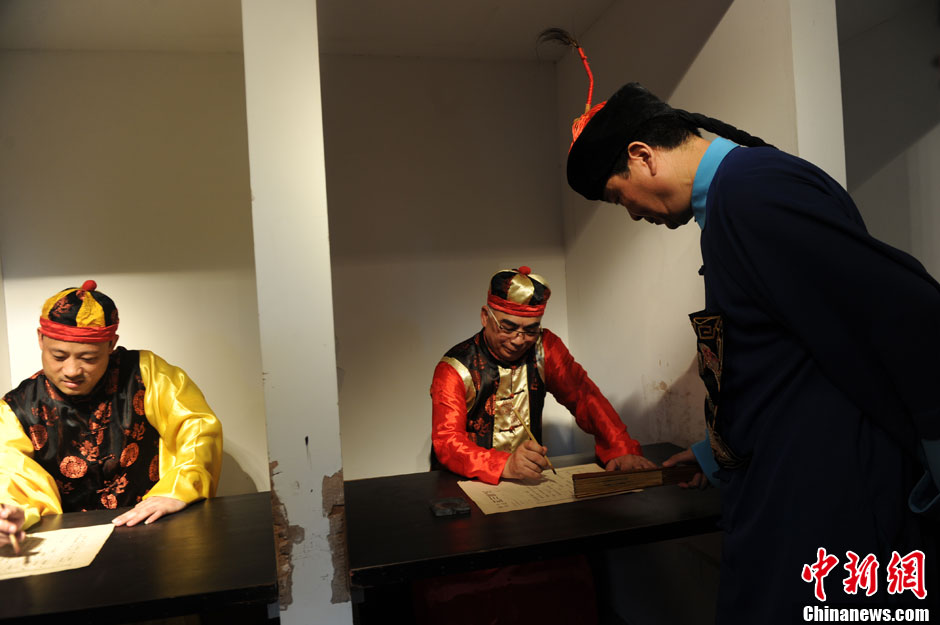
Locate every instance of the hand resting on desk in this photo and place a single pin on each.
(686, 456)
(149, 510)
(11, 524)
(629, 462)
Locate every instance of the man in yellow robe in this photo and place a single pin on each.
(101, 427)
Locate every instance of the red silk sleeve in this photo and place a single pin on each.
(569, 383)
(449, 435)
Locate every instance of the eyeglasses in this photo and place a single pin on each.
(527, 332)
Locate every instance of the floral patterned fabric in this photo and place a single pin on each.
(99, 449)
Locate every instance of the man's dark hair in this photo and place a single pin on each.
(661, 132)
(633, 114)
(673, 129)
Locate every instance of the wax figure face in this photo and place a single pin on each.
(509, 337)
(74, 368)
(648, 188)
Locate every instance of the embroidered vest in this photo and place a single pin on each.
(709, 334)
(99, 448)
(499, 395)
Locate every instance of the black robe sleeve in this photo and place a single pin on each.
(868, 314)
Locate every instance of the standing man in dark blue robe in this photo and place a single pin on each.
(818, 345)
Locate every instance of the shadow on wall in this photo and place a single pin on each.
(890, 90)
(670, 413)
(425, 455)
(655, 413)
(234, 480)
(565, 437)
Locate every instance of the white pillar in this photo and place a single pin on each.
(818, 85)
(292, 264)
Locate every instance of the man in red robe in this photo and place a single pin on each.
(487, 387)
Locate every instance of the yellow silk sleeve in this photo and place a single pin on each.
(190, 433)
(22, 481)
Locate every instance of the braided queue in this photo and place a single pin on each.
(722, 129)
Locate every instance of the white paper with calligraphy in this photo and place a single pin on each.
(510, 495)
(56, 550)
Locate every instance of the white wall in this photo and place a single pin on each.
(439, 174)
(631, 285)
(885, 203)
(923, 186)
(899, 201)
(282, 82)
(889, 82)
(891, 103)
(131, 169)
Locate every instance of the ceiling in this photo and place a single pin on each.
(474, 29)
(477, 29)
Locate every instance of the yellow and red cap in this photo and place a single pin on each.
(80, 315)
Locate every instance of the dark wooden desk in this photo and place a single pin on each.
(393, 538)
(203, 560)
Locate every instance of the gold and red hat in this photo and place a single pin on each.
(80, 315)
(518, 292)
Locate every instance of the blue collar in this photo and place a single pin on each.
(707, 167)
